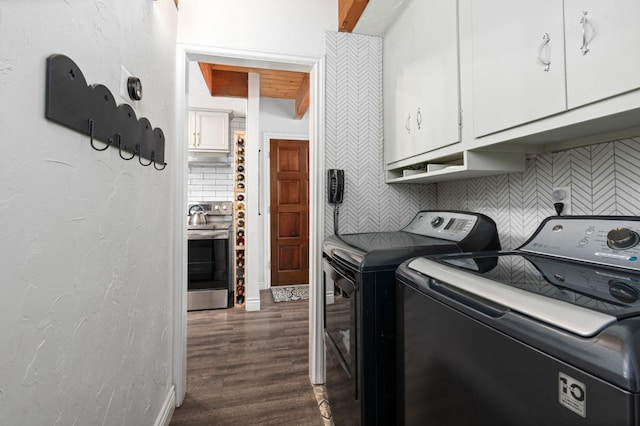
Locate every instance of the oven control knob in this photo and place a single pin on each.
(622, 238)
(437, 221)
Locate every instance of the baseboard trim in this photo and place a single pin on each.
(253, 304)
(169, 405)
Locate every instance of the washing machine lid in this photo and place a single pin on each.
(577, 299)
(430, 232)
(370, 241)
(375, 250)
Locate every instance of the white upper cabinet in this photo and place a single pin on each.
(421, 80)
(602, 49)
(208, 131)
(518, 62)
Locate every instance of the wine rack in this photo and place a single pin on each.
(240, 220)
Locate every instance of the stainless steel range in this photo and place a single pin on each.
(210, 277)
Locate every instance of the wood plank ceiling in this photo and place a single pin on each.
(232, 81)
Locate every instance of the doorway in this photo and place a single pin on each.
(315, 66)
(289, 203)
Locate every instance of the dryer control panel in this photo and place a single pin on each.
(605, 240)
(452, 226)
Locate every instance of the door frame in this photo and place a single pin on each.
(266, 173)
(178, 250)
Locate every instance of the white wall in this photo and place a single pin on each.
(293, 27)
(86, 297)
(277, 116)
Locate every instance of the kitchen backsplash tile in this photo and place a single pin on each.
(214, 181)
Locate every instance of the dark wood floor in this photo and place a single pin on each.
(249, 368)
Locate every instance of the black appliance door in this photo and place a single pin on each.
(456, 368)
(340, 338)
(208, 264)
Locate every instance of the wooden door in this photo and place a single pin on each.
(289, 184)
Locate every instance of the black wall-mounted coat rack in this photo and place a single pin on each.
(92, 110)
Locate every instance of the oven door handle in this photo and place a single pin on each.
(208, 234)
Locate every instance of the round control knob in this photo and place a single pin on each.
(622, 238)
(437, 221)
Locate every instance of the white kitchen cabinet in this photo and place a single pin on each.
(518, 63)
(421, 80)
(513, 85)
(208, 131)
(611, 64)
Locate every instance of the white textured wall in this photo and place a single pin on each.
(85, 307)
(293, 27)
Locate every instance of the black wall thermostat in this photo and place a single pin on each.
(134, 88)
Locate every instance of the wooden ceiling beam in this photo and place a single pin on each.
(232, 81)
(302, 98)
(231, 84)
(349, 11)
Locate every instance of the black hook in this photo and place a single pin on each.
(140, 158)
(153, 158)
(120, 149)
(91, 137)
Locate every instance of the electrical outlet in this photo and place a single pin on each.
(562, 194)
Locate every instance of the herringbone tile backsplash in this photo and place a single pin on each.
(604, 178)
(354, 137)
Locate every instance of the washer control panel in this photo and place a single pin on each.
(452, 226)
(608, 241)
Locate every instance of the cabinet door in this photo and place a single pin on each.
(397, 49)
(433, 82)
(213, 130)
(611, 64)
(193, 132)
(421, 84)
(511, 85)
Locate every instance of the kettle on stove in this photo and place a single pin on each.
(197, 218)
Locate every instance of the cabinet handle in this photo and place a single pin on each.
(419, 119)
(199, 139)
(407, 125)
(545, 61)
(584, 48)
(194, 140)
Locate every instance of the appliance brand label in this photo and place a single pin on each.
(572, 394)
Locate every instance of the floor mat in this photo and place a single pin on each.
(290, 293)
